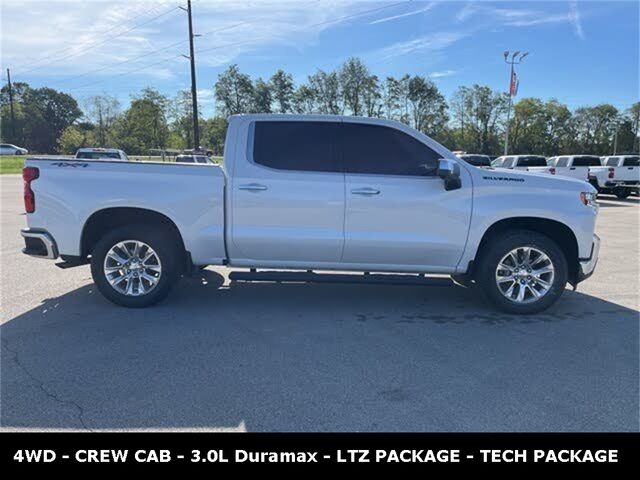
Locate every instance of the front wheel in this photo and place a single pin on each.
(522, 272)
(135, 266)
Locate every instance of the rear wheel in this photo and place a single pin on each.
(135, 266)
(522, 272)
(622, 193)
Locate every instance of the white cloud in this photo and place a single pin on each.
(574, 17)
(428, 7)
(433, 42)
(443, 73)
(519, 17)
(65, 38)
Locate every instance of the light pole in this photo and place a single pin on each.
(515, 59)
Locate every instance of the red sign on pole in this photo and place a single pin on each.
(513, 87)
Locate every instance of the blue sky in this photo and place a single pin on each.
(581, 52)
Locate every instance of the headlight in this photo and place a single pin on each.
(589, 199)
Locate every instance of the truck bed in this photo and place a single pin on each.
(69, 191)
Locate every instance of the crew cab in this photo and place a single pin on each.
(618, 175)
(101, 154)
(314, 192)
(575, 166)
(529, 163)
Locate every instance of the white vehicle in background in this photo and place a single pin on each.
(476, 159)
(528, 163)
(619, 175)
(11, 149)
(189, 158)
(576, 166)
(101, 154)
(315, 192)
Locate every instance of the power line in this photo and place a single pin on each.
(56, 52)
(306, 27)
(166, 47)
(89, 47)
(126, 73)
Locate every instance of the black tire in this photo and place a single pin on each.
(19, 152)
(622, 193)
(166, 248)
(498, 247)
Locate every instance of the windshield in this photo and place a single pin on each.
(96, 155)
(532, 161)
(477, 160)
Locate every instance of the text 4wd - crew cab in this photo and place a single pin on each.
(619, 175)
(315, 193)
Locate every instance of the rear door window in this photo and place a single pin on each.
(631, 161)
(300, 146)
(562, 162)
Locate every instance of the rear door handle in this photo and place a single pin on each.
(572, 168)
(365, 191)
(252, 187)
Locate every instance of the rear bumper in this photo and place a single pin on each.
(587, 266)
(39, 243)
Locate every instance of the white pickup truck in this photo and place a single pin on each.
(619, 175)
(298, 192)
(574, 166)
(528, 163)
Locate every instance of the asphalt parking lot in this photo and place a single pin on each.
(296, 357)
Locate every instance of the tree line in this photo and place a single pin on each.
(473, 119)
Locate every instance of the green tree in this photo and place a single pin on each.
(282, 90)
(326, 90)
(214, 131)
(428, 106)
(304, 100)
(354, 77)
(261, 97)
(144, 124)
(102, 111)
(234, 92)
(595, 128)
(75, 137)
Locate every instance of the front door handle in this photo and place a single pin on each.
(365, 191)
(252, 187)
(572, 168)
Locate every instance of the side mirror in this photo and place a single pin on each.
(449, 171)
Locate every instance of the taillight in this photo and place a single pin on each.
(29, 174)
(552, 170)
(611, 172)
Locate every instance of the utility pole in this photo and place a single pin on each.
(192, 59)
(515, 60)
(13, 117)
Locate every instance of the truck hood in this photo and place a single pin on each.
(533, 179)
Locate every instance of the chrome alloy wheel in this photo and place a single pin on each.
(525, 275)
(132, 268)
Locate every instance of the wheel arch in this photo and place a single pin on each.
(107, 219)
(559, 232)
